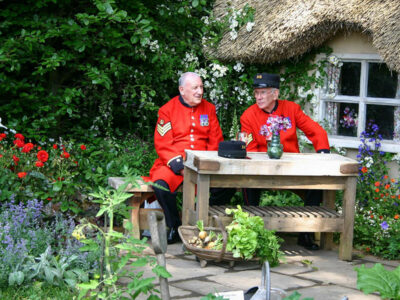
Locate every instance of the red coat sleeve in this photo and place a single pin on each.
(215, 136)
(313, 131)
(163, 138)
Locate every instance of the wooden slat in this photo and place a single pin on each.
(291, 219)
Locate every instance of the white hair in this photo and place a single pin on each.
(184, 76)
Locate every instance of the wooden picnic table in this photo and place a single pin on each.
(327, 172)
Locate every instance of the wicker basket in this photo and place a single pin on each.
(188, 232)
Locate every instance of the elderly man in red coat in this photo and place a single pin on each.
(266, 92)
(189, 122)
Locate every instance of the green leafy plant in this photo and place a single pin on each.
(113, 244)
(247, 238)
(378, 279)
(53, 270)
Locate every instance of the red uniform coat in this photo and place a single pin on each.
(181, 127)
(254, 117)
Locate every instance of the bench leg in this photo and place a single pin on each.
(135, 202)
(326, 241)
(346, 238)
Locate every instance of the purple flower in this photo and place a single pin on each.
(384, 225)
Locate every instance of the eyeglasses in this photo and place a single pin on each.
(264, 93)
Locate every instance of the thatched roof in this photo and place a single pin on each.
(288, 28)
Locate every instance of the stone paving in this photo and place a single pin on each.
(317, 274)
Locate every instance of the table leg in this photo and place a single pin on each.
(346, 237)
(189, 188)
(326, 241)
(203, 196)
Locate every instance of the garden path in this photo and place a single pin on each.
(318, 274)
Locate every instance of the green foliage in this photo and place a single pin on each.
(117, 265)
(378, 279)
(280, 198)
(86, 68)
(247, 238)
(37, 291)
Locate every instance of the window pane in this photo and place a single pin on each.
(382, 82)
(383, 116)
(347, 119)
(349, 82)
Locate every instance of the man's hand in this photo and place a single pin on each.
(181, 171)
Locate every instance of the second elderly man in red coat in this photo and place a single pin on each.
(266, 92)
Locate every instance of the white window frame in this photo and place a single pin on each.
(362, 101)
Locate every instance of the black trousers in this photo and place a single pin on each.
(252, 197)
(167, 200)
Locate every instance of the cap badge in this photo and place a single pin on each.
(259, 76)
(161, 122)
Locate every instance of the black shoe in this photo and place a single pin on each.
(173, 236)
(306, 240)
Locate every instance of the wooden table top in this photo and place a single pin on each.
(258, 163)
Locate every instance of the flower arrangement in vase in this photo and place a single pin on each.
(271, 130)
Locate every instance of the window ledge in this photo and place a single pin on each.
(354, 143)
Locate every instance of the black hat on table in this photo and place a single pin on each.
(266, 80)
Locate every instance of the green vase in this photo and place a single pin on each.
(275, 148)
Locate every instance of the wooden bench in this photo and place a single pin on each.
(140, 193)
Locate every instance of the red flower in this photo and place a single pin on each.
(368, 249)
(21, 174)
(19, 136)
(1, 155)
(372, 216)
(396, 217)
(15, 159)
(76, 162)
(377, 183)
(364, 169)
(43, 156)
(39, 164)
(49, 199)
(83, 147)
(381, 217)
(2, 136)
(65, 155)
(385, 177)
(387, 186)
(392, 180)
(377, 190)
(55, 146)
(27, 148)
(39, 148)
(19, 143)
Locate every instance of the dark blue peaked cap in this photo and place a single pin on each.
(265, 80)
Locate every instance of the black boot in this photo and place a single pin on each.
(173, 236)
(306, 239)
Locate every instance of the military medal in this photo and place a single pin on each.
(204, 120)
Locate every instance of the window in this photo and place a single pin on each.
(360, 89)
